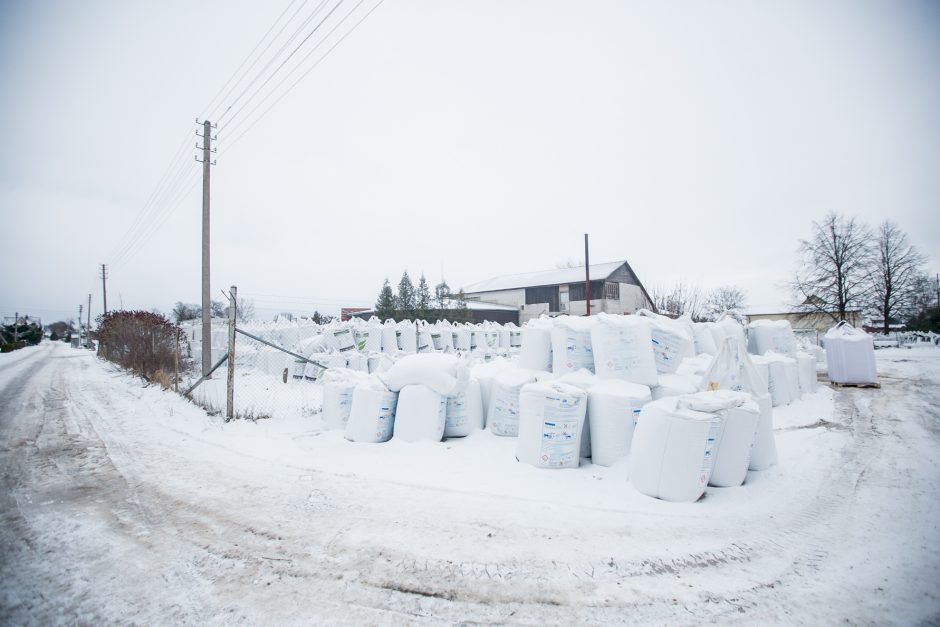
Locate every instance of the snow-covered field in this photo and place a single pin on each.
(125, 504)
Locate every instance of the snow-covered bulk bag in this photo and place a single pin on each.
(464, 411)
(704, 338)
(420, 414)
(672, 341)
(806, 365)
(771, 335)
(739, 416)
(320, 362)
(502, 417)
(505, 337)
(373, 338)
(484, 374)
(762, 365)
(372, 413)
(425, 343)
(850, 355)
(389, 337)
(672, 451)
(777, 383)
(463, 337)
(491, 338)
(407, 337)
(442, 337)
(792, 370)
(515, 336)
(571, 344)
(343, 339)
(583, 379)
(613, 409)
(379, 363)
(733, 369)
(477, 339)
(733, 329)
(357, 361)
(536, 351)
(338, 387)
(673, 385)
(445, 374)
(622, 349)
(551, 416)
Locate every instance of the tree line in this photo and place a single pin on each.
(417, 303)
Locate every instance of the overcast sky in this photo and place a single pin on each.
(697, 140)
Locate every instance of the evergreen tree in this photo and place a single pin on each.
(423, 298)
(405, 301)
(441, 294)
(385, 305)
(461, 311)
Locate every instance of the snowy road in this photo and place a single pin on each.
(123, 504)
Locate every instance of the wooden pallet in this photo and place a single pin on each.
(855, 385)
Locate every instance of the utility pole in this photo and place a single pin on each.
(88, 326)
(587, 277)
(79, 324)
(16, 323)
(104, 287)
(206, 301)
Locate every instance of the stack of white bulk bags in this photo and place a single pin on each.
(536, 351)
(443, 373)
(372, 414)
(613, 409)
(806, 364)
(389, 337)
(571, 344)
(357, 361)
(739, 416)
(551, 416)
(733, 370)
(622, 349)
(502, 417)
(850, 355)
(420, 414)
(464, 412)
(407, 337)
(379, 363)
(672, 451)
(674, 385)
(338, 387)
(704, 339)
(672, 341)
(342, 339)
(771, 335)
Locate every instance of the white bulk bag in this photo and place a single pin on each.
(704, 339)
(739, 416)
(806, 364)
(583, 379)
(445, 374)
(484, 374)
(314, 369)
(551, 416)
(792, 370)
(515, 336)
(734, 370)
(407, 336)
(850, 355)
(464, 411)
(379, 363)
(777, 382)
(672, 341)
(373, 338)
(338, 387)
(733, 329)
(419, 415)
(425, 342)
(491, 339)
(623, 350)
(762, 365)
(343, 339)
(771, 335)
(389, 337)
(571, 345)
(372, 414)
(505, 338)
(673, 385)
(672, 451)
(613, 409)
(536, 351)
(463, 337)
(357, 361)
(502, 417)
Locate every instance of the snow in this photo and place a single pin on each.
(112, 488)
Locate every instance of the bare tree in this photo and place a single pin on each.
(834, 267)
(896, 274)
(722, 299)
(244, 309)
(678, 300)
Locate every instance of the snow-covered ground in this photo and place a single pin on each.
(126, 504)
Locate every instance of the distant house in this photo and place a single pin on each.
(802, 317)
(346, 313)
(615, 288)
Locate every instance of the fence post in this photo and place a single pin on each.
(230, 381)
(176, 363)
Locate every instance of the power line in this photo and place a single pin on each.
(304, 75)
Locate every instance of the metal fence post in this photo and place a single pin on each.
(230, 381)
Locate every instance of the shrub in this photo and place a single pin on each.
(141, 341)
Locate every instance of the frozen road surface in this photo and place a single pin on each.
(122, 504)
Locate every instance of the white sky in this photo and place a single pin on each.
(474, 139)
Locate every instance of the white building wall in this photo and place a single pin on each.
(513, 298)
(631, 299)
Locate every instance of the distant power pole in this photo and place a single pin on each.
(88, 326)
(206, 300)
(104, 287)
(16, 323)
(79, 324)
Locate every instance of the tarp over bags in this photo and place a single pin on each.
(623, 349)
(613, 409)
(551, 416)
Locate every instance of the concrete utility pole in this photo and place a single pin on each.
(104, 287)
(587, 278)
(88, 326)
(80, 325)
(206, 300)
